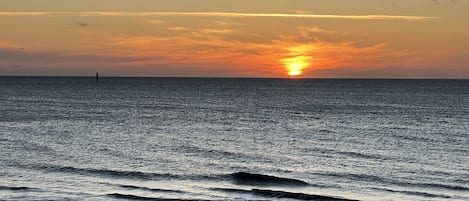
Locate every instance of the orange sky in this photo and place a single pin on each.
(236, 38)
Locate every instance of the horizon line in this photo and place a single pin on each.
(228, 77)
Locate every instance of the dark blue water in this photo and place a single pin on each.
(233, 139)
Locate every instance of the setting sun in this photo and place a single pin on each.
(296, 65)
(295, 69)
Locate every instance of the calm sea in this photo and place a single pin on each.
(233, 139)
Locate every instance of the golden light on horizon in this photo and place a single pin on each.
(295, 65)
(295, 69)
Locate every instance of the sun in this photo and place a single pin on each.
(295, 69)
(295, 65)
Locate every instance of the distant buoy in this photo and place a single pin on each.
(97, 78)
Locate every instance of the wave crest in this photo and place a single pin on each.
(14, 188)
(260, 179)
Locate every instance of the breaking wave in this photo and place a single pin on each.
(281, 194)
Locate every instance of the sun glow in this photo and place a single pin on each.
(295, 69)
(296, 65)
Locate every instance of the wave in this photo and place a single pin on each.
(237, 178)
(135, 197)
(195, 150)
(123, 173)
(359, 177)
(362, 155)
(28, 145)
(423, 194)
(326, 130)
(242, 178)
(441, 186)
(330, 152)
(15, 188)
(281, 194)
(150, 189)
(263, 180)
(106, 172)
(378, 179)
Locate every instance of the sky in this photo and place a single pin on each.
(236, 38)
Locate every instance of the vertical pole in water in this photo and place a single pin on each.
(97, 78)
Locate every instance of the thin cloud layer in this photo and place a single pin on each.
(224, 14)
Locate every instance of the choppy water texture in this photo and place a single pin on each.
(233, 139)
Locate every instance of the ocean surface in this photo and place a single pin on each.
(67, 138)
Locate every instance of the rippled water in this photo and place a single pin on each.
(237, 139)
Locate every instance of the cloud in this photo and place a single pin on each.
(315, 30)
(8, 45)
(178, 28)
(218, 31)
(82, 24)
(15, 57)
(205, 51)
(219, 47)
(444, 1)
(212, 48)
(156, 22)
(226, 14)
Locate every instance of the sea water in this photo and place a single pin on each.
(69, 138)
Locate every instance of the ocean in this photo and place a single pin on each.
(68, 138)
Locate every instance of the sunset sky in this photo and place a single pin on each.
(236, 38)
